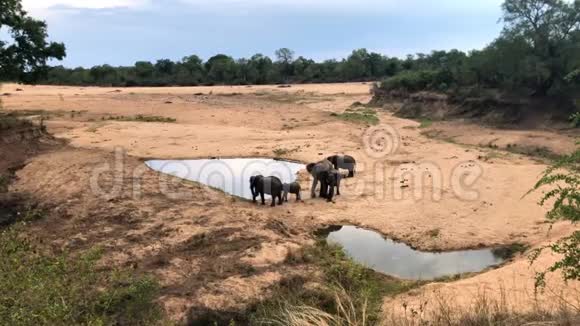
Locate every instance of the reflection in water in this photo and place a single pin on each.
(229, 175)
(397, 259)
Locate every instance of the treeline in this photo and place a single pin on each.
(537, 53)
(221, 69)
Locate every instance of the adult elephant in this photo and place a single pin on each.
(319, 172)
(345, 162)
(260, 185)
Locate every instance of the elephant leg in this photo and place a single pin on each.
(298, 196)
(285, 196)
(351, 173)
(273, 201)
(280, 199)
(263, 199)
(338, 187)
(254, 195)
(323, 188)
(313, 187)
(330, 193)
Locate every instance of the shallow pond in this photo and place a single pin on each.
(397, 259)
(230, 175)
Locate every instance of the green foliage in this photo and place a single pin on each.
(426, 123)
(37, 288)
(413, 81)
(24, 55)
(361, 65)
(575, 119)
(366, 116)
(568, 266)
(564, 177)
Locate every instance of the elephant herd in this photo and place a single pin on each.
(326, 172)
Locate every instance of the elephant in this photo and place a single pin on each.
(260, 185)
(293, 188)
(345, 162)
(319, 172)
(331, 180)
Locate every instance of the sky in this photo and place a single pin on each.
(121, 32)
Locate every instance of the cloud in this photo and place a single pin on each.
(82, 4)
(411, 7)
(56, 10)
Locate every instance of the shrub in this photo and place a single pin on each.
(413, 81)
(575, 119)
(366, 116)
(564, 176)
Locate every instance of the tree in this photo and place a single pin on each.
(285, 57)
(24, 57)
(355, 67)
(164, 67)
(144, 69)
(548, 27)
(193, 64)
(262, 66)
(220, 69)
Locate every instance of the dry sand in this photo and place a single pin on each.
(473, 196)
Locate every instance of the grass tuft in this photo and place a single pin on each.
(426, 123)
(364, 115)
(141, 118)
(344, 293)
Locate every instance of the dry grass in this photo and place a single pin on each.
(348, 313)
(483, 310)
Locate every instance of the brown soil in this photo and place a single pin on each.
(214, 252)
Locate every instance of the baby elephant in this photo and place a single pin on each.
(330, 181)
(293, 188)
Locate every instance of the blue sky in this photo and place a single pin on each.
(120, 32)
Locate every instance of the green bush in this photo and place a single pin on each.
(37, 288)
(575, 119)
(418, 80)
(366, 116)
(564, 177)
